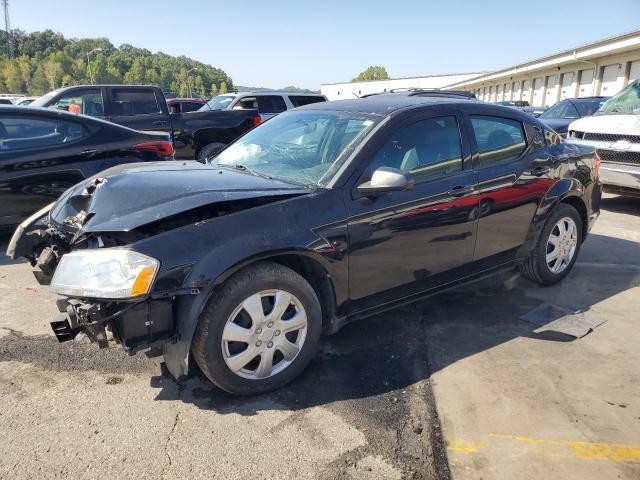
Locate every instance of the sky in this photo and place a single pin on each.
(275, 43)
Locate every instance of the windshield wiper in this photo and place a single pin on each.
(244, 168)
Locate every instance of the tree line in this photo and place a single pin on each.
(45, 61)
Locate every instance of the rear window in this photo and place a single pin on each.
(271, 104)
(134, 102)
(300, 100)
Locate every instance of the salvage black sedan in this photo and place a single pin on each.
(322, 215)
(44, 152)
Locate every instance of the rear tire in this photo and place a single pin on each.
(259, 331)
(210, 151)
(557, 248)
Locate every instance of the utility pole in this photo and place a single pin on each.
(7, 27)
(95, 50)
(194, 69)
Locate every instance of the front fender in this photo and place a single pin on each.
(209, 275)
(559, 191)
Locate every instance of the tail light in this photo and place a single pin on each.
(597, 163)
(163, 148)
(256, 120)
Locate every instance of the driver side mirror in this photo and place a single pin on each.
(387, 179)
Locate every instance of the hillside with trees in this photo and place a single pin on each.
(47, 60)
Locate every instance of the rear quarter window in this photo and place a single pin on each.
(134, 102)
(271, 104)
(301, 100)
(498, 139)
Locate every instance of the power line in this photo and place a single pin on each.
(7, 28)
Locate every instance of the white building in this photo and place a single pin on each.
(342, 91)
(599, 68)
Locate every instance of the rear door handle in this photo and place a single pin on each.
(160, 123)
(461, 190)
(538, 171)
(88, 153)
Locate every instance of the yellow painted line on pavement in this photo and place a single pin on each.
(467, 447)
(559, 448)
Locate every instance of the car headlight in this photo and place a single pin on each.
(110, 273)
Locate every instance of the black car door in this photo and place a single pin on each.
(405, 242)
(514, 171)
(138, 108)
(40, 157)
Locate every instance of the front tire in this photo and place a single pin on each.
(259, 331)
(557, 248)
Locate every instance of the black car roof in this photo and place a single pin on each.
(385, 103)
(388, 104)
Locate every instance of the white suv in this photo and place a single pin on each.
(268, 103)
(614, 130)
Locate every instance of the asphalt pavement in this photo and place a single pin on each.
(457, 385)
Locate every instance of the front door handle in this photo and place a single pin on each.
(160, 123)
(539, 171)
(461, 190)
(88, 153)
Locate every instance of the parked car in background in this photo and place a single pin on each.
(44, 152)
(196, 135)
(514, 103)
(183, 105)
(322, 215)
(559, 116)
(615, 131)
(23, 102)
(268, 103)
(523, 106)
(10, 98)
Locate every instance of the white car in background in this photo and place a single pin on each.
(268, 103)
(614, 130)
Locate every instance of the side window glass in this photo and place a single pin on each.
(88, 102)
(134, 102)
(271, 104)
(246, 103)
(427, 148)
(18, 133)
(300, 100)
(499, 140)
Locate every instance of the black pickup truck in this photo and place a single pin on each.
(197, 135)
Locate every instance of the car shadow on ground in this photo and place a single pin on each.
(620, 204)
(379, 358)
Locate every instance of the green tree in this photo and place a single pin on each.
(46, 60)
(372, 73)
(223, 88)
(214, 90)
(12, 78)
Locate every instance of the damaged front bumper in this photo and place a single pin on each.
(135, 326)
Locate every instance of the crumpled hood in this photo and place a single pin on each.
(616, 124)
(129, 196)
